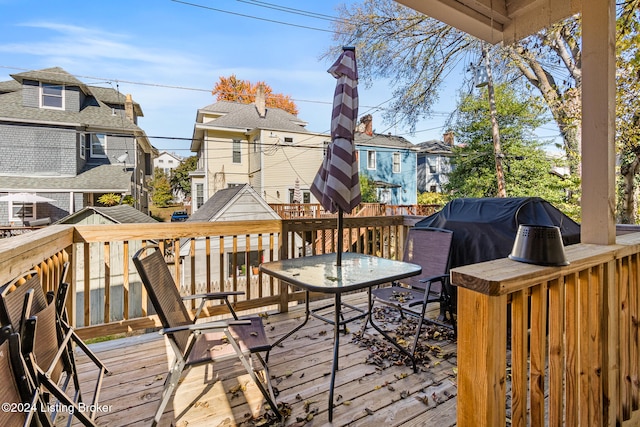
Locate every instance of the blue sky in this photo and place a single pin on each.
(169, 54)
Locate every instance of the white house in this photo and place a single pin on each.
(167, 162)
(268, 148)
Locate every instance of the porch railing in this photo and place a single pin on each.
(536, 345)
(315, 210)
(106, 296)
(551, 346)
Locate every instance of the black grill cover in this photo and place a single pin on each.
(485, 229)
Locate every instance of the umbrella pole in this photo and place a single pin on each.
(340, 238)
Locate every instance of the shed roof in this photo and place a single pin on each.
(120, 214)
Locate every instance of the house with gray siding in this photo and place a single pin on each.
(70, 142)
(434, 163)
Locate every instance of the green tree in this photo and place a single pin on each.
(368, 190)
(180, 180)
(160, 189)
(529, 171)
(415, 52)
(628, 111)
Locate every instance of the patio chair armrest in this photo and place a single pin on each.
(212, 295)
(441, 278)
(217, 325)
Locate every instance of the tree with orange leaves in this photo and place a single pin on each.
(235, 90)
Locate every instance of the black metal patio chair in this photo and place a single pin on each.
(201, 343)
(21, 399)
(47, 343)
(431, 249)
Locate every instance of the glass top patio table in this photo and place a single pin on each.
(319, 273)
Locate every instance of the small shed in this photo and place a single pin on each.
(239, 203)
(97, 215)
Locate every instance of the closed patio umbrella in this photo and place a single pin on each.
(297, 193)
(336, 184)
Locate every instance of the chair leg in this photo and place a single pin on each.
(169, 386)
(269, 395)
(388, 337)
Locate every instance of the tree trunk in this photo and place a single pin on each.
(627, 214)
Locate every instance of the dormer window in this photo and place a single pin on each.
(51, 96)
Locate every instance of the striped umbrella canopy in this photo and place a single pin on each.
(336, 184)
(297, 193)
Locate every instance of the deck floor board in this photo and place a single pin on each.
(365, 394)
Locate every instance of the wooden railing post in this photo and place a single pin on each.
(283, 242)
(482, 340)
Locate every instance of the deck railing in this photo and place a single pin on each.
(315, 210)
(106, 296)
(536, 345)
(551, 345)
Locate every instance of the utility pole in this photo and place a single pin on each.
(495, 132)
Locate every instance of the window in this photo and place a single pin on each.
(255, 258)
(22, 211)
(325, 145)
(432, 168)
(98, 145)
(160, 161)
(396, 162)
(306, 196)
(199, 195)
(52, 96)
(433, 189)
(237, 155)
(288, 140)
(83, 146)
(371, 159)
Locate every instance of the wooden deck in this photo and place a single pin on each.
(384, 394)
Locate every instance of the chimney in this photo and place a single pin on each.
(449, 138)
(129, 110)
(366, 125)
(260, 101)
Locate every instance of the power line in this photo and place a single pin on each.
(292, 10)
(306, 27)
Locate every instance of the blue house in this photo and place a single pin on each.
(390, 161)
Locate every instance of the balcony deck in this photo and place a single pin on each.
(367, 394)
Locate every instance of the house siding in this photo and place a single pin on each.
(31, 94)
(406, 194)
(40, 147)
(72, 99)
(300, 160)
(427, 179)
(23, 148)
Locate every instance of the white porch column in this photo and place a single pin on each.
(71, 203)
(598, 121)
